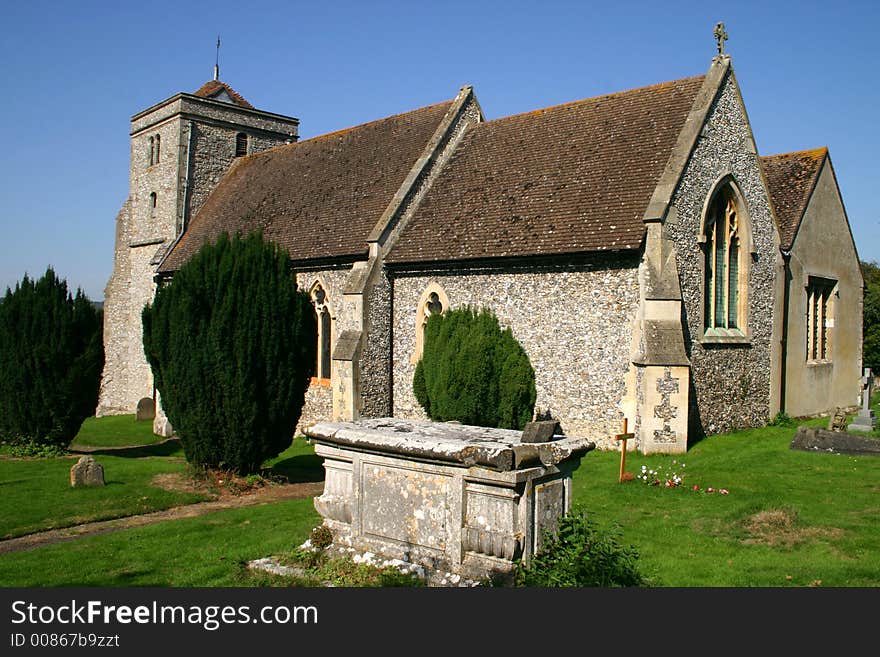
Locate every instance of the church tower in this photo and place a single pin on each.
(180, 149)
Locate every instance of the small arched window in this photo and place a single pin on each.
(433, 301)
(241, 144)
(726, 265)
(325, 333)
(158, 143)
(152, 150)
(154, 200)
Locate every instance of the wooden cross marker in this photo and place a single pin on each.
(623, 437)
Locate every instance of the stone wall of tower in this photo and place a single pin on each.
(197, 142)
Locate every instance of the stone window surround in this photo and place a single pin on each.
(422, 314)
(155, 148)
(242, 142)
(726, 182)
(322, 305)
(819, 355)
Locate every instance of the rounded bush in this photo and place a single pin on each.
(472, 371)
(51, 358)
(231, 342)
(581, 555)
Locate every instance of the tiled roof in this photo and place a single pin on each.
(214, 87)
(791, 178)
(567, 179)
(317, 198)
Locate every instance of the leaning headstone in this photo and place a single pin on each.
(865, 420)
(87, 472)
(146, 409)
(838, 420)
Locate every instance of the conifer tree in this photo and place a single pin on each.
(231, 342)
(474, 372)
(51, 358)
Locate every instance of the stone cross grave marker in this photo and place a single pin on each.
(623, 437)
(865, 420)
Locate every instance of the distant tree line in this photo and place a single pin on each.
(871, 316)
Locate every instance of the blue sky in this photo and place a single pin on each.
(74, 73)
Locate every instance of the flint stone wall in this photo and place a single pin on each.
(375, 362)
(319, 397)
(575, 322)
(731, 382)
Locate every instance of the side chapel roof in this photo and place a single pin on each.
(572, 178)
(317, 198)
(791, 178)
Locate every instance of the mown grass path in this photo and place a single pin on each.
(265, 495)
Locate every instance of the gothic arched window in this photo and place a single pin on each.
(726, 243)
(433, 302)
(158, 143)
(325, 332)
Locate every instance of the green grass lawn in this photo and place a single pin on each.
(115, 431)
(791, 518)
(209, 550)
(37, 494)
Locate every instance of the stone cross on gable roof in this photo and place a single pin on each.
(720, 36)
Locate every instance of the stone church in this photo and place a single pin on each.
(654, 266)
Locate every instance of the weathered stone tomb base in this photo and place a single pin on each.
(457, 500)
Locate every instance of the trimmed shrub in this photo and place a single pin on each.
(472, 371)
(231, 342)
(51, 358)
(581, 555)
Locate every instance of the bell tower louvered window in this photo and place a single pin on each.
(241, 144)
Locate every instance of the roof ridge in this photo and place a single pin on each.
(813, 153)
(616, 94)
(343, 131)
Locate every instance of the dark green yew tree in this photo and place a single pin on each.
(473, 372)
(231, 342)
(51, 358)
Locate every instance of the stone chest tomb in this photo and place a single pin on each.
(453, 498)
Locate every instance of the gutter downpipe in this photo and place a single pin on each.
(786, 269)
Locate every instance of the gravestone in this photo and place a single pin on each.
(146, 409)
(815, 439)
(838, 420)
(86, 472)
(865, 420)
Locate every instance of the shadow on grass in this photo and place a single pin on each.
(170, 447)
(303, 468)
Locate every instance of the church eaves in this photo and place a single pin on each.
(568, 179)
(791, 178)
(319, 198)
